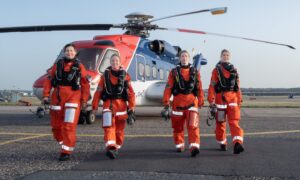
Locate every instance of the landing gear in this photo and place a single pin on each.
(87, 117)
(82, 118)
(40, 111)
(91, 117)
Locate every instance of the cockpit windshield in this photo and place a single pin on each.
(87, 56)
(106, 59)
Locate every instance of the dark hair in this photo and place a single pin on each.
(224, 50)
(69, 45)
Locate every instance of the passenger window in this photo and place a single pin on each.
(161, 74)
(147, 70)
(141, 69)
(154, 72)
(167, 74)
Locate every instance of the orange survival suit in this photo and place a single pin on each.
(184, 83)
(224, 91)
(71, 88)
(115, 90)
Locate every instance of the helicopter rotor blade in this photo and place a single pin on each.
(223, 35)
(214, 11)
(66, 27)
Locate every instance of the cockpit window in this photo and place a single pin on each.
(87, 56)
(106, 60)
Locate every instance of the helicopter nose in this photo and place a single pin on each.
(39, 83)
(93, 77)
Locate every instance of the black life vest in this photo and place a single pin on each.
(226, 84)
(182, 86)
(117, 91)
(67, 78)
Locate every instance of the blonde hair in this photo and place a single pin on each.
(184, 51)
(115, 55)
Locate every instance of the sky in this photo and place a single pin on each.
(25, 56)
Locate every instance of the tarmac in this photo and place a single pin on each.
(272, 143)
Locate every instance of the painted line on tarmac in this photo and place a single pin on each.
(273, 132)
(33, 135)
(22, 139)
(25, 134)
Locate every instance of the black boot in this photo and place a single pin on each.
(112, 153)
(64, 157)
(194, 152)
(238, 148)
(223, 147)
(180, 149)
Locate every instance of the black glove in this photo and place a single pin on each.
(46, 101)
(213, 110)
(131, 117)
(165, 113)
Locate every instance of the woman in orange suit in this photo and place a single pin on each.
(224, 93)
(115, 91)
(184, 83)
(68, 78)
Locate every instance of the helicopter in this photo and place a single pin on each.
(147, 61)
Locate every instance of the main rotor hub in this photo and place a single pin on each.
(138, 17)
(138, 25)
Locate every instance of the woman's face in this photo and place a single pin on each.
(184, 58)
(115, 63)
(225, 57)
(70, 52)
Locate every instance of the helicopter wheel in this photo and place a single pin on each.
(40, 112)
(82, 118)
(90, 118)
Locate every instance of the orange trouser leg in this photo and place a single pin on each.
(220, 132)
(178, 131)
(72, 112)
(120, 126)
(237, 133)
(192, 123)
(57, 117)
(110, 135)
(56, 124)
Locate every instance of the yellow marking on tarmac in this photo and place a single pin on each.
(151, 135)
(25, 134)
(21, 139)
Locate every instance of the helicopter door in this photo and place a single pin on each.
(140, 67)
